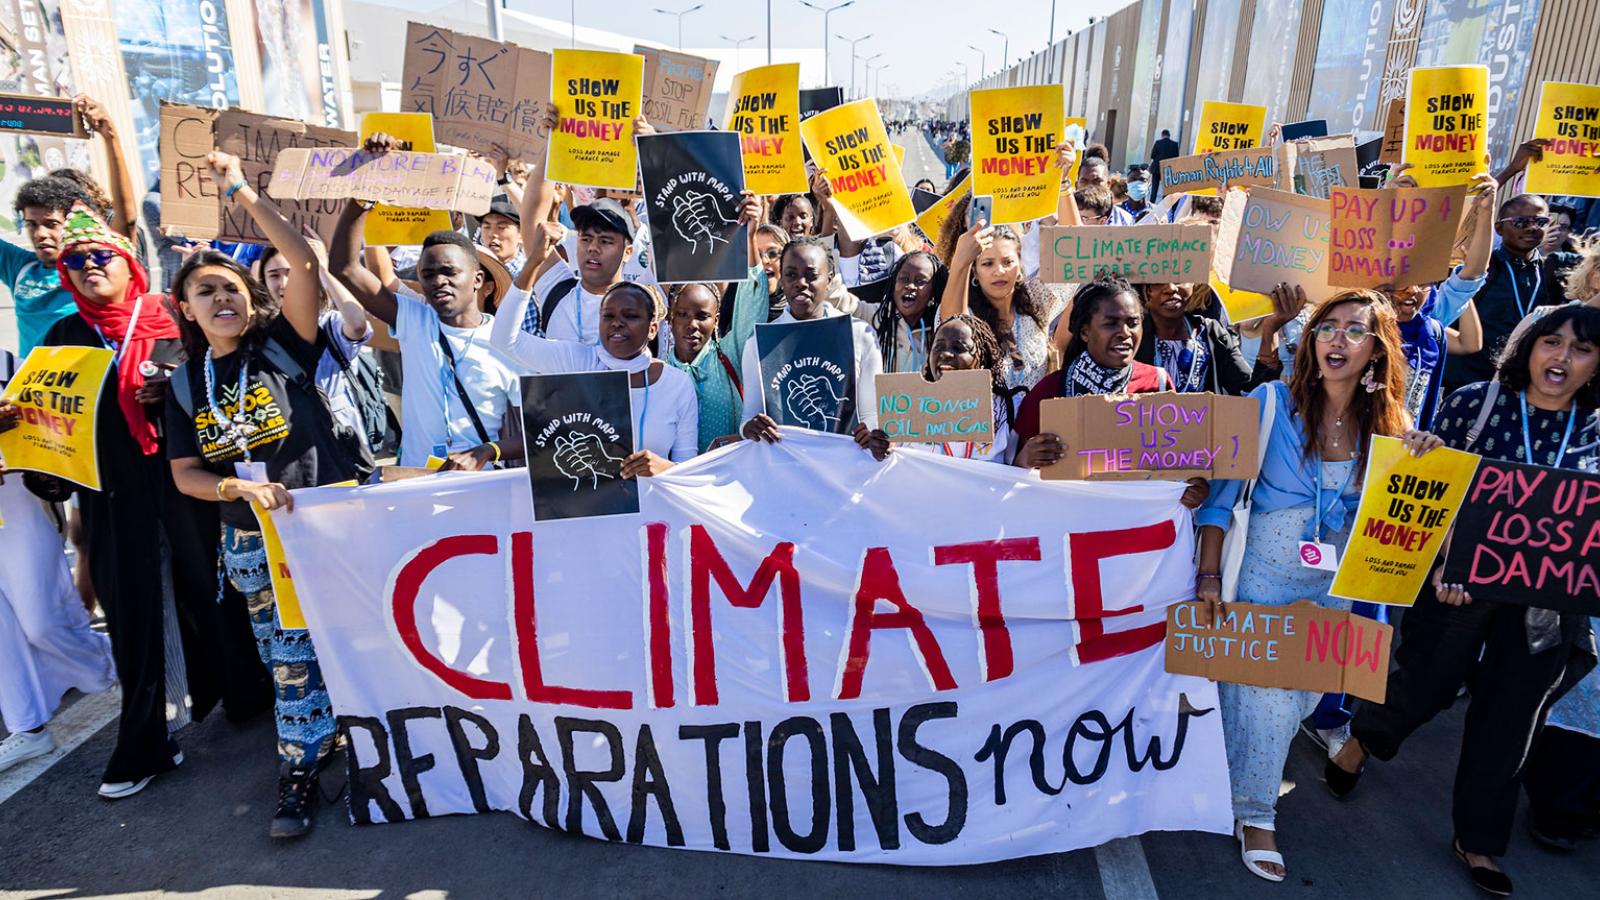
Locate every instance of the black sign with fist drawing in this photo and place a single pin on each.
(692, 182)
(808, 373)
(578, 429)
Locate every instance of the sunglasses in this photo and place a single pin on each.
(101, 258)
(1355, 334)
(1527, 221)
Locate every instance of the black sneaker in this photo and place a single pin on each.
(297, 796)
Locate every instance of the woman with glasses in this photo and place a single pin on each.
(1346, 386)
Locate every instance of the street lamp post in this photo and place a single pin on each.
(738, 47)
(852, 42)
(1005, 51)
(877, 77)
(827, 66)
(679, 15)
(983, 60)
(866, 74)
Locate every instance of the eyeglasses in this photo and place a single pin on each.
(1355, 334)
(101, 258)
(1527, 221)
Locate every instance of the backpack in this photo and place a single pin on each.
(366, 385)
(551, 301)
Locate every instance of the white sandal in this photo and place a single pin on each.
(1254, 858)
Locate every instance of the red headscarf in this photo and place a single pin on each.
(115, 322)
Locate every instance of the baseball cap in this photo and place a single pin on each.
(501, 205)
(607, 214)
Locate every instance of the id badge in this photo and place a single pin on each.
(440, 450)
(250, 471)
(1319, 556)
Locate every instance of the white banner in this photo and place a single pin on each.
(792, 650)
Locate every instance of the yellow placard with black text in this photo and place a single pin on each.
(1447, 124)
(1229, 126)
(58, 391)
(932, 219)
(764, 110)
(1014, 136)
(597, 96)
(852, 149)
(1569, 118)
(393, 225)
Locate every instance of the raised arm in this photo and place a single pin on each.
(302, 293)
(344, 256)
(969, 247)
(1066, 204)
(1481, 203)
(124, 204)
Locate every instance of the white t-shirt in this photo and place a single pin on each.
(431, 413)
(666, 413)
(869, 363)
(576, 317)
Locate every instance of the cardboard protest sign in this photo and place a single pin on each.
(1272, 237)
(764, 110)
(931, 220)
(957, 407)
(25, 114)
(808, 373)
(598, 94)
(480, 92)
(1241, 306)
(1165, 436)
(578, 428)
(677, 89)
(1392, 150)
(1569, 118)
(814, 101)
(1301, 646)
(1407, 505)
(1394, 237)
(1310, 128)
(411, 181)
(1314, 166)
(692, 184)
(1014, 135)
(58, 391)
(1447, 123)
(852, 149)
(1529, 535)
(190, 200)
(395, 224)
(257, 141)
(1229, 126)
(1218, 170)
(1143, 254)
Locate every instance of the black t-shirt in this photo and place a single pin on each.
(295, 434)
(1510, 280)
(1501, 437)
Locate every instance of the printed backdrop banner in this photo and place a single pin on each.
(772, 658)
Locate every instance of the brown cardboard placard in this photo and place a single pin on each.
(1143, 254)
(1166, 436)
(1393, 237)
(1269, 237)
(1394, 132)
(1301, 646)
(399, 177)
(190, 200)
(480, 92)
(957, 407)
(1220, 170)
(677, 89)
(257, 140)
(1314, 166)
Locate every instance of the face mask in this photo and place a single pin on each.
(1138, 190)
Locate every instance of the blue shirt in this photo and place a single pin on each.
(36, 289)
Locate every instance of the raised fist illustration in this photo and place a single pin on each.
(583, 456)
(813, 402)
(699, 217)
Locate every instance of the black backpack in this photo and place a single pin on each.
(552, 300)
(366, 384)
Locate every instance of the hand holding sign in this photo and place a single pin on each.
(581, 456)
(697, 216)
(813, 400)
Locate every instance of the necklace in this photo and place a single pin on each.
(1336, 432)
(236, 429)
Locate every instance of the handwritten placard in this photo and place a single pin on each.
(1447, 123)
(1268, 237)
(190, 200)
(1569, 118)
(677, 89)
(851, 145)
(1529, 535)
(1219, 170)
(1165, 436)
(257, 141)
(1014, 135)
(1229, 126)
(1315, 166)
(957, 407)
(401, 178)
(1301, 646)
(764, 110)
(480, 92)
(1143, 254)
(1394, 237)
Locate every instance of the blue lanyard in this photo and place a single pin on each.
(133, 323)
(1516, 290)
(1316, 496)
(1527, 441)
(644, 410)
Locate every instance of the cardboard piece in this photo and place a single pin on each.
(1143, 254)
(1569, 117)
(58, 392)
(190, 200)
(1229, 126)
(1407, 505)
(598, 94)
(852, 148)
(1447, 123)
(435, 181)
(578, 428)
(677, 89)
(1394, 237)
(398, 224)
(1219, 170)
(1014, 135)
(1528, 535)
(1315, 166)
(257, 141)
(692, 186)
(1392, 151)
(764, 110)
(1301, 646)
(1143, 437)
(957, 407)
(480, 92)
(24, 114)
(1272, 237)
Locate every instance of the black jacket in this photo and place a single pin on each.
(1231, 373)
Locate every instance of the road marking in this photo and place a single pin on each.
(71, 727)
(1124, 872)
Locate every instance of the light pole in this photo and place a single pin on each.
(852, 42)
(983, 60)
(866, 74)
(738, 45)
(1005, 51)
(679, 15)
(877, 76)
(827, 66)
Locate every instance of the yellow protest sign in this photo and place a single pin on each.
(899, 154)
(1014, 137)
(1242, 306)
(387, 224)
(1569, 118)
(765, 112)
(852, 149)
(1229, 126)
(58, 390)
(932, 219)
(1076, 132)
(1407, 505)
(1447, 124)
(597, 95)
(290, 617)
